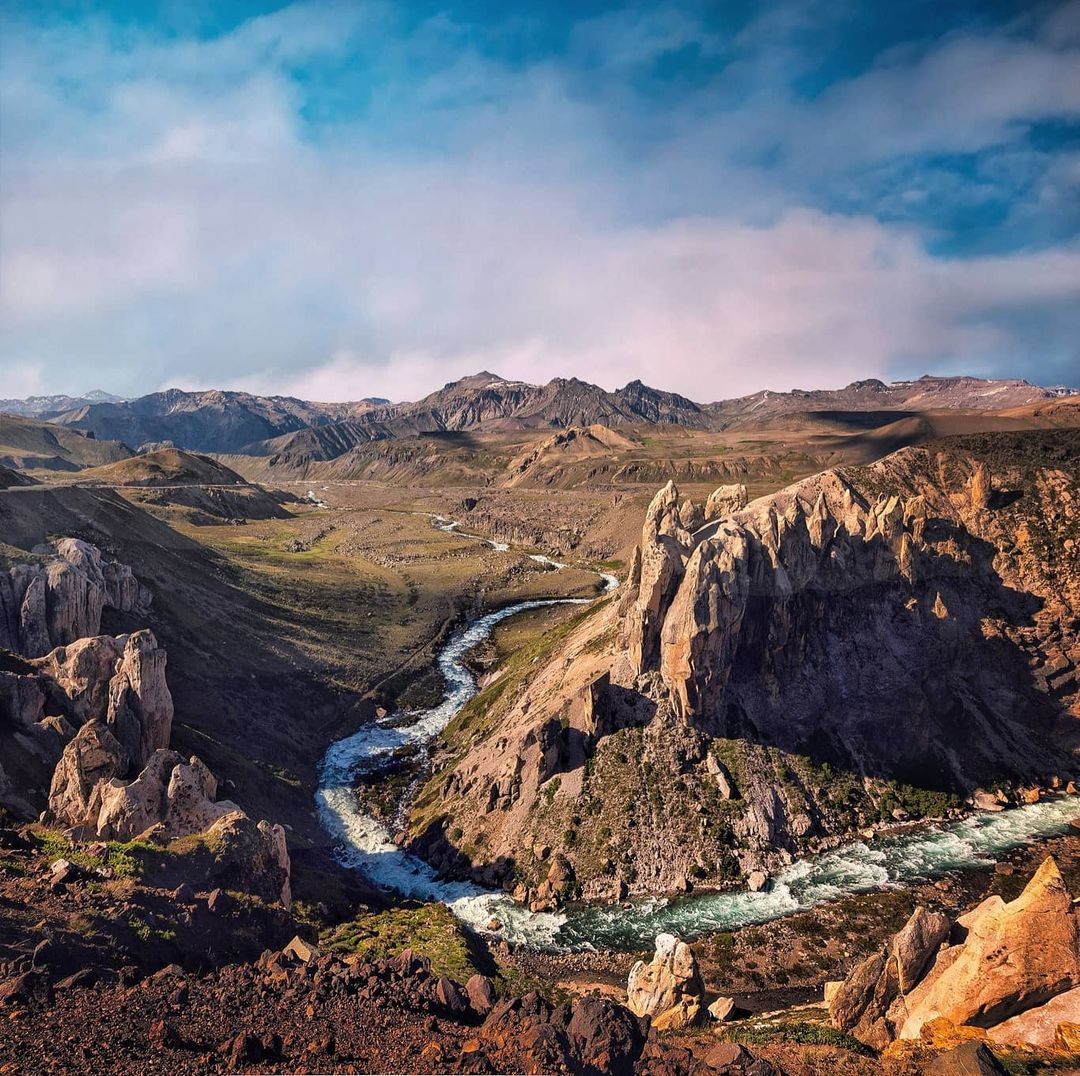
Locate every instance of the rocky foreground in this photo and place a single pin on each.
(298, 1011)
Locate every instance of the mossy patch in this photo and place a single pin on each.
(428, 929)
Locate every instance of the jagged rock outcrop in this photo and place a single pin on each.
(1007, 969)
(724, 501)
(668, 988)
(823, 592)
(61, 597)
(93, 756)
(140, 704)
(119, 682)
(1015, 957)
(656, 565)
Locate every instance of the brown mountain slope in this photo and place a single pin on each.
(165, 467)
(30, 444)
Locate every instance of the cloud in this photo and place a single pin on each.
(333, 200)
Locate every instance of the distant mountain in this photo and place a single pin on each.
(300, 430)
(54, 405)
(488, 400)
(928, 393)
(28, 444)
(210, 421)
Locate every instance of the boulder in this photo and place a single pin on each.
(968, 1059)
(251, 857)
(481, 994)
(669, 987)
(722, 1008)
(604, 1037)
(915, 945)
(1016, 956)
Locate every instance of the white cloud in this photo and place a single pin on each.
(191, 235)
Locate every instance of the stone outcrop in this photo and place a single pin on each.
(1016, 956)
(60, 598)
(93, 756)
(118, 682)
(1011, 968)
(656, 566)
(140, 705)
(724, 501)
(668, 988)
(824, 591)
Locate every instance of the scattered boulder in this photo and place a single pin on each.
(604, 1037)
(481, 992)
(968, 1059)
(722, 1008)
(757, 882)
(669, 987)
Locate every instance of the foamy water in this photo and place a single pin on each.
(364, 844)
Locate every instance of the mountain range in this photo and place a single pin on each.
(241, 422)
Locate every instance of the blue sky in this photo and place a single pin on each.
(345, 199)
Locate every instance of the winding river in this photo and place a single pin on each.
(364, 844)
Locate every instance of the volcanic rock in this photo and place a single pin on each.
(1015, 957)
(669, 987)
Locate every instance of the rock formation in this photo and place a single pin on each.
(668, 988)
(60, 597)
(119, 682)
(90, 719)
(1010, 968)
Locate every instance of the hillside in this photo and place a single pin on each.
(30, 444)
(10, 478)
(165, 467)
(779, 674)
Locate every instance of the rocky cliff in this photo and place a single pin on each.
(86, 726)
(58, 596)
(866, 645)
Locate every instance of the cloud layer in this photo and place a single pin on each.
(345, 200)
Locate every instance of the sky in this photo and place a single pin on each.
(338, 200)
